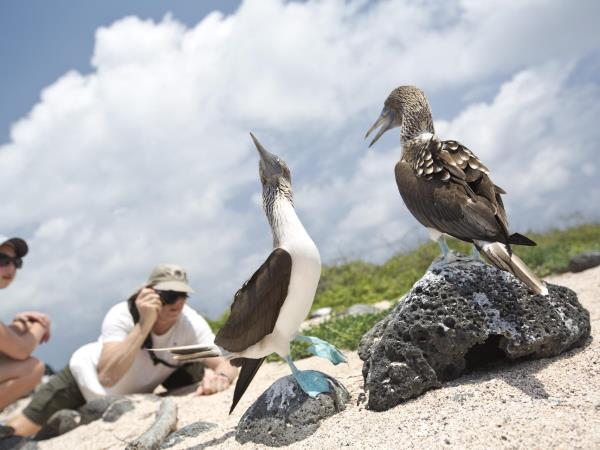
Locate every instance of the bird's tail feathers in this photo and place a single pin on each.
(497, 254)
(249, 369)
(519, 239)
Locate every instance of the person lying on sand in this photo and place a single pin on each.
(19, 371)
(154, 316)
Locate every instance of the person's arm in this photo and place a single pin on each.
(221, 377)
(19, 339)
(116, 358)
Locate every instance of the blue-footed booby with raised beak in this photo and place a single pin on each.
(447, 188)
(269, 308)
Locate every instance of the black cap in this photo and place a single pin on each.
(18, 244)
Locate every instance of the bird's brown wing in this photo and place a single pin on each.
(453, 163)
(474, 220)
(256, 305)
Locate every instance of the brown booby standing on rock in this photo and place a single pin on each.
(447, 188)
(269, 308)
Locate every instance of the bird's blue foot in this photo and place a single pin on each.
(447, 255)
(474, 254)
(443, 247)
(310, 381)
(323, 349)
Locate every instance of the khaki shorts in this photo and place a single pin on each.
(62, 391)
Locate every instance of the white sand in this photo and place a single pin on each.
(551, 403)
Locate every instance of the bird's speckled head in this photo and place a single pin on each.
(405, 107)
(406, 97)
(273, 171)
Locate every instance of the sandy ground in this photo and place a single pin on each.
(551, 403)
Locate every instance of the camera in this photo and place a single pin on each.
(170, 297)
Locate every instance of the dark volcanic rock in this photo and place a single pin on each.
(584, 261)
(59, 423)
(94, 409)
(110, 408)
(117, 409)
(284, 413)
(458, 317)
(189, 431)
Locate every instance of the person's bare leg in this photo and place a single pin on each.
(22, 425)
(18, 378)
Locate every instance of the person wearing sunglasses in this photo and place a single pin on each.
(155, 315)
(20, 373)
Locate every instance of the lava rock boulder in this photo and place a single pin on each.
(584, 261)
(461, 316)
(285, 414)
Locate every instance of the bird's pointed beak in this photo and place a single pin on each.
(264, 154)
(268, 160)
(386, 121)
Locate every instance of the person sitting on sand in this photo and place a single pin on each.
(19, 371)
(154, 316)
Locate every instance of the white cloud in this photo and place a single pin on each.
(539, 138)
(147, 159)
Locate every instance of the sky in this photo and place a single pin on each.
(124, 133)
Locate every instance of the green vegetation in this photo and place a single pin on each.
(344, 332)
(216, 324)
(359, 282)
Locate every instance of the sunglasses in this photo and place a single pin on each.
(171, 297)
(5, 260)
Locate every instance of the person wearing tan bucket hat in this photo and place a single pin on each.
(20, 373)
(155, 315)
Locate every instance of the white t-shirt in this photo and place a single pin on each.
(143, 376)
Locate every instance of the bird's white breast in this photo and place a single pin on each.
(306, 271)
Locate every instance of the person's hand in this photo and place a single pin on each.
(213, 383)
(30, 317)
(149, 305)
(34, 316)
